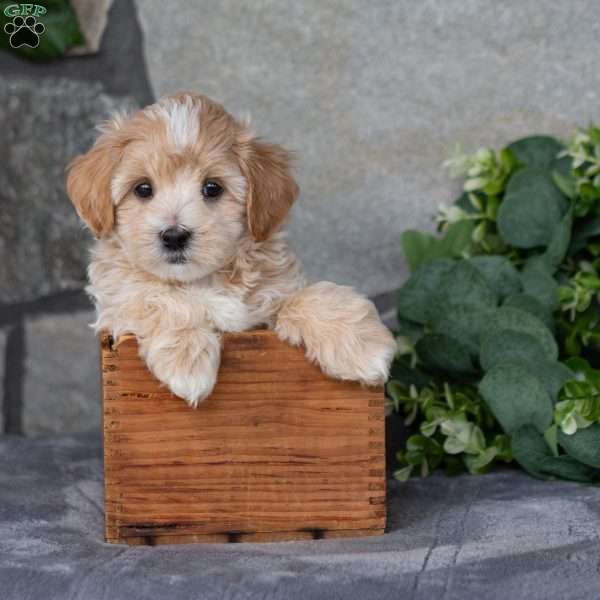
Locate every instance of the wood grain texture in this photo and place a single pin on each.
(278, 451)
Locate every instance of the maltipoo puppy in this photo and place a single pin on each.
(187, 206)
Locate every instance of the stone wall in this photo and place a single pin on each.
(371, 96)
(49, 359)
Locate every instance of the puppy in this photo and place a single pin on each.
(186, 205)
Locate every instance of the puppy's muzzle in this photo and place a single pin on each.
(175, 239)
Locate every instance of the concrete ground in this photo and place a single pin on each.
(497, 536)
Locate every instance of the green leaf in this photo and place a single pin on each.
(396, 391)
(508, 318)
(509, 346)
(566, 467)
(583, 231)
(456, 240)
(562, 175)
(420, 248)
(551, 437)
(408, 375)
(464, 323)
(421, 449)
(462, 436)
(502, 444)
(499, 274)
(538, 281)
(443, 353)
(61, 31)
(464, 202)
(583, 370)
(531, 451)
(404, 473)
(410, 330)
(559, 243)
(565, 184)
(532, 208)
(533, 306)
(416, 295)
(415, 247)
(550, 373)
(516, 398)
(536, 151)
(477, 464)
(428, 428)
(464, 285)
(584, 445)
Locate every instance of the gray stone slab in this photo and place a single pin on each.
(502, 535)
(62, 374)
(3, 338)
(373, 96)
(118, 66)
(44, 124)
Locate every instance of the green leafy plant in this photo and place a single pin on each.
(451, 432)
(499, 323)
(61, 31)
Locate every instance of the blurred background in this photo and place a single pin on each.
(371, 95)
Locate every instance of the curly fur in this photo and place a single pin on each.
(238, 272)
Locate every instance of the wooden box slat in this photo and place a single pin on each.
(278, 451)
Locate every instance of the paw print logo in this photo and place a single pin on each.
(24, 32)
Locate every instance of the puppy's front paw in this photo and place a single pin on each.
(186, 362)
(361, 350)
(376, 349)
(341, 331)
(193, 388)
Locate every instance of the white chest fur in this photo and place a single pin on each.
(131, 301)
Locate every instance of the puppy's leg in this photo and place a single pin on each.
(186, 360)
(341, 331)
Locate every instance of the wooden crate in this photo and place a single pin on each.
(277, 452)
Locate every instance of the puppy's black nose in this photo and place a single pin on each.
(175, 238)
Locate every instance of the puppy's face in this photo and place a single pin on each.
(179, 185)
(179, 191)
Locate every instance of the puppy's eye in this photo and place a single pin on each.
(143, 190)
(211, 190)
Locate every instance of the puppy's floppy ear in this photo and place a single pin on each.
(271, 187)
(89, 183)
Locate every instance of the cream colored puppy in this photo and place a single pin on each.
(186, 204)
